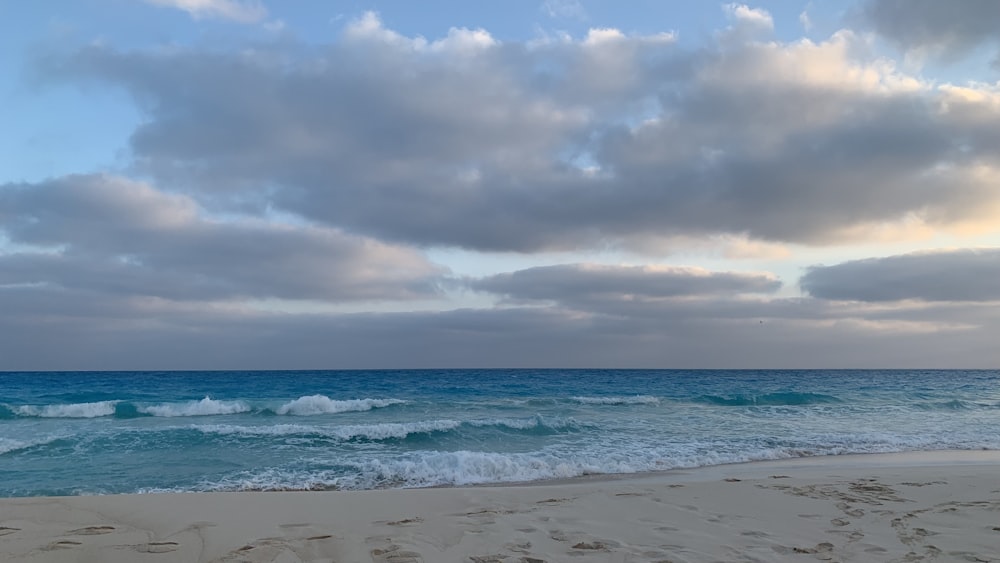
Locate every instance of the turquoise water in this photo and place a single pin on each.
(126, 432)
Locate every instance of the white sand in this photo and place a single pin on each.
(902, 507)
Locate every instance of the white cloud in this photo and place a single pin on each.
(805, 20)
(242, 11)
(564, 9)
(753, 17)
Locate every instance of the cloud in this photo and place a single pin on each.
(138, 334)
(805, 20)
(114, 236)
(945, 275)
(609, 140)
(316, 175)
(573, 282)
(947, 29)
(752, 18)
(564, 9)
(241, 11)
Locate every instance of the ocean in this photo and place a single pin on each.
(147, 432)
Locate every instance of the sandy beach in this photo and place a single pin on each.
(941, 506)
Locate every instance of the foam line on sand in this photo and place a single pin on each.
(940, 506)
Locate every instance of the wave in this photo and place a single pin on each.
(71, 410)
(956, 405)
(321, 404)
(204, 407)
(8, 445)
(633, 400)
(769, 399)
(393, 430)
(303, 406)
(429, 468)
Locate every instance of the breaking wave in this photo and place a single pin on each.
(204, 407)
(321, 404)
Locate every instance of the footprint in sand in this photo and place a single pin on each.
(824, 547)
(157, 547)
(264, 549)
(393, 553)
(850, 511)
(522, 547)
(61, 544)
(970, 556)
(405, 522)
(553, 501)
(595, 545)
(91, 531)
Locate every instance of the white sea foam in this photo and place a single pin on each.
(633, 400)
(473, 467)
(8, 445)
(382, 431)
(204, 407)
(554, 423)
(514, 423)
(434, 467)
(321, 404)
(11, 445)
(258, 430)
(398, 430)
(72, 410)
(379, 431)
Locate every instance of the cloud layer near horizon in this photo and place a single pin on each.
(120, 237)
(956, 275)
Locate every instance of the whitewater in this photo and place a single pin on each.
(144, 432)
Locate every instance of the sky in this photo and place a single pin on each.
(254, 184)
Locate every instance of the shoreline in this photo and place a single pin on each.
(859, 507)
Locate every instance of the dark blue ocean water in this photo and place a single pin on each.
(125, 432)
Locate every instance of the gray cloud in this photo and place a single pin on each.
(116, 236)
(952, 275)
(127, 335)
(300, 172)
(612, 140)
(569, 283)
(949, 28)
